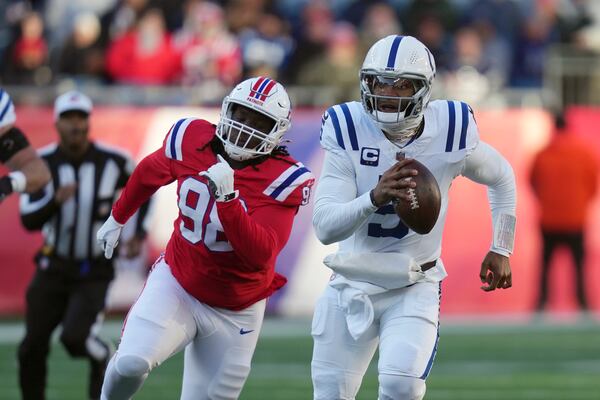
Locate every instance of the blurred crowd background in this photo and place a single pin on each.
(120, 51)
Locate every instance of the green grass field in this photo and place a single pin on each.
(499, 361)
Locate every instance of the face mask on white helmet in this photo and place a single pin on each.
(254, 117)
(395, 84)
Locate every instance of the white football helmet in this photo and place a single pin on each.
(390, 60)
(264, 96)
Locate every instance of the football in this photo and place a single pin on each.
(420, 213)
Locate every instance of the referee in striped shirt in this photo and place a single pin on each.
(72, 276)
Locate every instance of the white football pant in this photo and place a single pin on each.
(406, 329)
(218, 343)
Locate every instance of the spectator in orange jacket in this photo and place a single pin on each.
(564, 178)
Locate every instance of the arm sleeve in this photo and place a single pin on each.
(488, 167)
(37, 208)
(18, 155)
(141, 218)
(151, 173)
(12, 142)
(338, 212)
(259, 237)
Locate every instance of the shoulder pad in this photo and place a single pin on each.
(338, 129)
(195, 132)
(461, 128)
(285, 187)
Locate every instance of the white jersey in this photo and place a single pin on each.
(450, 134)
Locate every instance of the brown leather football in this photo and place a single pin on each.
(421, 213)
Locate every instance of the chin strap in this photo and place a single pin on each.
(404, 135)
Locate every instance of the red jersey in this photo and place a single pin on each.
(222, 253)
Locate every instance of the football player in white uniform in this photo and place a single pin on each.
(386, 287)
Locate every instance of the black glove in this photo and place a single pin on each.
(5, 187)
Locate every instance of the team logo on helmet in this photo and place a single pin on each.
(264, 96)
(261, 89)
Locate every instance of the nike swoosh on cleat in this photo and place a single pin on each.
(243, 332)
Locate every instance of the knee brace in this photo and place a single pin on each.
(399, 387)
(131, 366)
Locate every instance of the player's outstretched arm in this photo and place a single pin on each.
(153, 172)
(486, 166)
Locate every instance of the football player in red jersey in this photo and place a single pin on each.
(238, 193)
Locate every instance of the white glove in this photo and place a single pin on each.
(220, 180)
(108, 236)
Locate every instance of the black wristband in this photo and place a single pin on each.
(372, 196)
(11, 143)
(5, 186)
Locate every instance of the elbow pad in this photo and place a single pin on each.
(11, 143)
